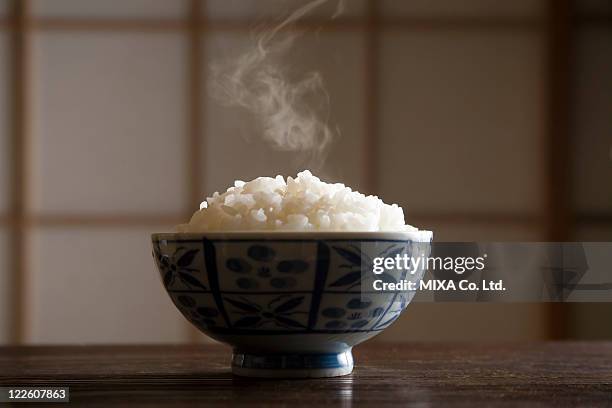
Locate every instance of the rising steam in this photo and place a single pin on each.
(292, 113)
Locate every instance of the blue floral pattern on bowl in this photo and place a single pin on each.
(199, 308)
(265, 286)
(284, 303)
(259, 267)
(181, 266)
(274, 312)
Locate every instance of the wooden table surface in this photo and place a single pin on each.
(433, 374)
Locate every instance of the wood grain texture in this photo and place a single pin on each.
(433, 374)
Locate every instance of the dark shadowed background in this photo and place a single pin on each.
(486, 120)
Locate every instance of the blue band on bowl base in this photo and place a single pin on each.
(292, 365)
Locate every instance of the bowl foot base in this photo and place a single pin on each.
(292, 365)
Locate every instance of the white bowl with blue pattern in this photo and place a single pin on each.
(290, 304)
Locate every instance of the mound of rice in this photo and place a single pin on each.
(304, 203)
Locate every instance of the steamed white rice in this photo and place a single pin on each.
(304, 203)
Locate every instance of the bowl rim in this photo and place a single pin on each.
(415, 236)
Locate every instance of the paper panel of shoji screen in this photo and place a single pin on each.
(592, 138)
(255, 10)
(4, 7)
(461, 120)
(109, 122)
(466, 8)
(234, 145)
(110, 8)
(99, 286)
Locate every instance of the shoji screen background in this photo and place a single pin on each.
(458, 111)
